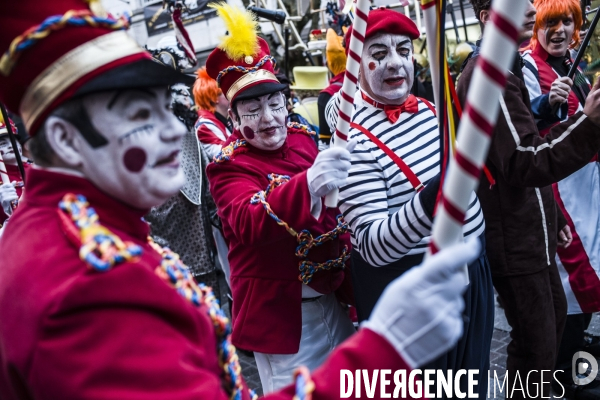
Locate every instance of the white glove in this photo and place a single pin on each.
(420, 313)
(8, 194)
(330, 170)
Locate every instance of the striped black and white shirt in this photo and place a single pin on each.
(386, 218)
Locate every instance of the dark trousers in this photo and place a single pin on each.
(473, 350)
(536, 308)
(572, 342)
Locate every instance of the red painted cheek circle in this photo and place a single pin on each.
(372, 66)
(135, 159)
(248, 133)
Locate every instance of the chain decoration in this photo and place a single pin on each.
(178, 276)
(302, 127)
(244, 70)
(307, 242)
(305, 386)
(229, 151)
(54, 23)
(100, 248)
(305, 239)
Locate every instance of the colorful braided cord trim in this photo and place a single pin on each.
(309, 268)
(244, 70)
(307, 129)
(261, 197)
(228, 152)
(52, 24)
(305, 386)
(100, 248)
(305, 239)
(177, 275)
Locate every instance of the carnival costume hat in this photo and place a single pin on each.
(53, 51)
(310, 77)
(384, 20)
(242, 64)
(556, 9)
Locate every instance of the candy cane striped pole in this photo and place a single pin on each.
(478, 120)
(431, 22)
(359, 27)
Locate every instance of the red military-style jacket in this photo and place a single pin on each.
(267, 293)
(68, 331)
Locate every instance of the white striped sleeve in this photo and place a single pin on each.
(379, 237)
(331, 112)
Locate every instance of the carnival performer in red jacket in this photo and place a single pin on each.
(89, 307)
(287, 253)
(211, 126)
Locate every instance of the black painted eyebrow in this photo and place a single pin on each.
(403, 43)
(114, 99)
(378, 45)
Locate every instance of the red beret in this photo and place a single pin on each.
(385, 20)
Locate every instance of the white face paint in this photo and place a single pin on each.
(7, 152)
(386, 68)
(140, 163)
(263, 121)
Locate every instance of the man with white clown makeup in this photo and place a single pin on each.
(390, 195)
(89, 308)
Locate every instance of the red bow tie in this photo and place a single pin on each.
(411, 106)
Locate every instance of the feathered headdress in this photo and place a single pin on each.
(242, 64)
(242, 39)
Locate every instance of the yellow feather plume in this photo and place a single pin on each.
(242, 39)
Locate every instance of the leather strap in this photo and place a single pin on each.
(413, 179)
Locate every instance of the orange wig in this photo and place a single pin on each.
(556, 9)
(205, 91)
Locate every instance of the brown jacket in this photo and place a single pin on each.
(522, 220)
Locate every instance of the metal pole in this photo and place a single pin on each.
(13, 141)
(462, 14)
(450, 10)
(286, 35)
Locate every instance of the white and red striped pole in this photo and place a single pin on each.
(433, 53)
(359, 27)
(478, 120)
